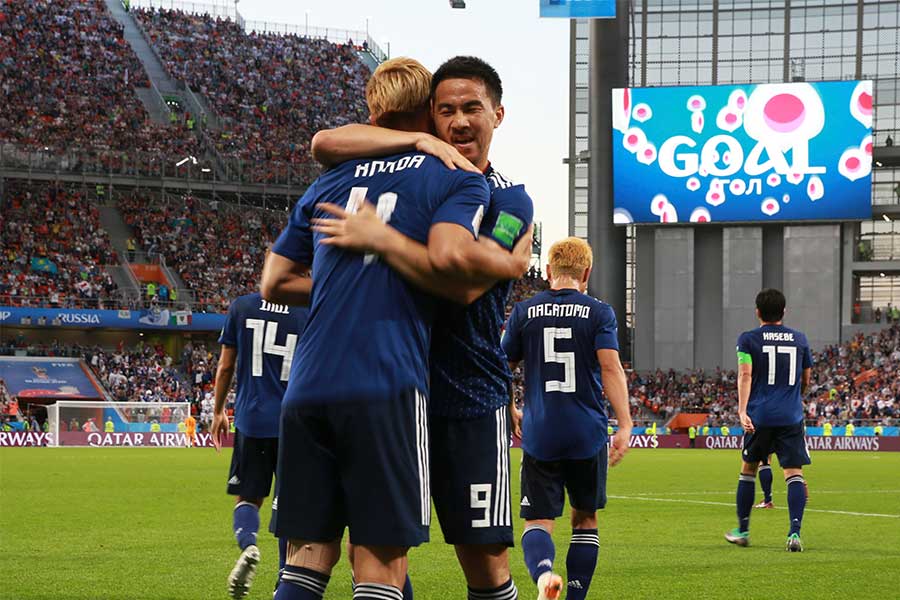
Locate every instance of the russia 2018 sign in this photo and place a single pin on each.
(762, 153)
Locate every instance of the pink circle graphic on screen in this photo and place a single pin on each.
(646, 153)
(784, 112)
(622, 217)
(866, 145)
(700, 215)
(861, 103)
(786, 199)
(773, 179)
(770, 206)
(669, 215)
(696, 103)
(642, 112)
(693, 184)
(726, 158)
(697, 121)
(737, 186)
(715, 196)
(621, 114)
(702, 171)
(814, 188)
(855, 164)
(784, 116)
(794, 178)
(716, 184)
(658, 204)
(633, 139)
(728, 119)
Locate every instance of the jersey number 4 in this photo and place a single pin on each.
(566, 359)
(791, 351)
(264, 334)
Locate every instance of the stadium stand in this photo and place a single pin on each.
(54, 250)
(271, 92)
(68, 84)
(216, 248)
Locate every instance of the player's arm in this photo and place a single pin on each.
(804, 379)
(744, 382)
(515, 413)
(285, 281)
(224, 375)
(615, 384)
(333, 146)
(461, 274)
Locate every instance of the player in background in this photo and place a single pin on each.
(354, 444)
(190, 431)
(569, 343)
(470, 378)
(258, 342)
(774, 365)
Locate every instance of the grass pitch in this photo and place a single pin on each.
(103, 524)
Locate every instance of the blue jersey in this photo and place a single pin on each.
(265, 336)
(469, 372)
(557, 333)
(369, 330)
(778, 355)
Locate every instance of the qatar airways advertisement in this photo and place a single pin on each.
(737, 153)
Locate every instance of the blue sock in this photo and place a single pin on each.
(537, 546)
(765, 482)
(407, 589)
(297, 583)
(246, 523)
(507, 591)
(746, 489)
(581, 562)
(796, 494)
(282, 553)
(376, 591)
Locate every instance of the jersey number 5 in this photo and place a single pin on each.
(791, 351)
(269, 331)
(566, 359)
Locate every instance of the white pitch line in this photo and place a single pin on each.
(817, 491)
(731, 504)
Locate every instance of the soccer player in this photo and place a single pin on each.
(569, 343)
(765, 483)
(774, 365)
(354, 440)
(258, 342)
(470, 378)
(190, 431)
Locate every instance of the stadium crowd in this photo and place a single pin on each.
(216, 248)
(53, 250)
(271, 92)
(68, 84)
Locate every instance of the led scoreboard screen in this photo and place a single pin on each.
(737, 153)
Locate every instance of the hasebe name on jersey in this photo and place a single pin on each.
(777, 336)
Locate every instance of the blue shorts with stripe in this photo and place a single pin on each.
(361, 465)
(470, 478)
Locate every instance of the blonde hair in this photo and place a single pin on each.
(570, 257)
(398, 85)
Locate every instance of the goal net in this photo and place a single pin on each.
(152, 424)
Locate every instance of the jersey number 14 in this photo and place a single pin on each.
(264, 334)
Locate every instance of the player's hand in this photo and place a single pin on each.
(521, 253)
(620, 444)
(362, 231)
(515, 419)
(746, 422)
(446, 153)
(218, 428)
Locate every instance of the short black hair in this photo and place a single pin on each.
(770, 304)
(470, 67)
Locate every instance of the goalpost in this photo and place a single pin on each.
(85, 423)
